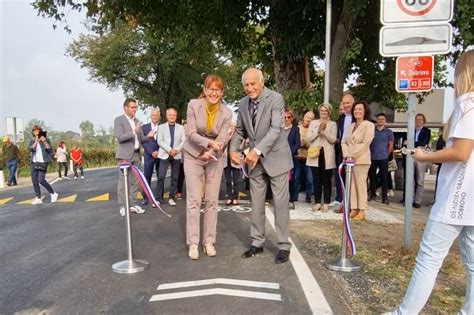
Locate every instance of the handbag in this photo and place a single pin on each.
(41, 166)
(392, 165)
(313, 152)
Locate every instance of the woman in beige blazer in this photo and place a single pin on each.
(208, 124)
(322, 133)
(356, 145)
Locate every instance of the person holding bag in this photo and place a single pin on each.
(452, 215)
(40, 150)
(321, 136)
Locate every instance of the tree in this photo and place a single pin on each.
(87, 129)
(293, 34)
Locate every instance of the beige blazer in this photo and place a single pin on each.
(356, 143)
(197, 138)
(324, 139)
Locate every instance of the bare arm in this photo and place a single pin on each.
(459, 152)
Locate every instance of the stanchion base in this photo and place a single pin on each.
(130, 266)
(343, 264)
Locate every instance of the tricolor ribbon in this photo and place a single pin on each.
(345, 214)
(143, 184)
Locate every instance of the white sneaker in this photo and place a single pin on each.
(193, 252)
(37, 201)
(54, 197)
(137, 209)
(75, 177)
(335, 204)
(82, 177)
(171, 202)
(122, 211)
(390, 193)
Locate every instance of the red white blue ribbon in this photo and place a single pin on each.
(143, 184)
(345, 214)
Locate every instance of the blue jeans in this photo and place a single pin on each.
(300, 166)
(12, 166)
(437, 239)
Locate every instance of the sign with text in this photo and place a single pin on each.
(414, 74)
(409, 11)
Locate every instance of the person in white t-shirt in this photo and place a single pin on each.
(452, 215)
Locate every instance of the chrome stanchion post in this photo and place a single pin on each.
(130, 265)
(344, 264)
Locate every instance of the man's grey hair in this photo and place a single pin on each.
(258, 71)
(155, 110)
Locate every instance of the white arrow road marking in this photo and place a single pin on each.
(216, 291)
(246, 283)
(315, 297)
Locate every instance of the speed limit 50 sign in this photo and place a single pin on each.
(409, 11)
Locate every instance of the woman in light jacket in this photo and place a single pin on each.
(356, 145)
(208, 125)
(322, 133)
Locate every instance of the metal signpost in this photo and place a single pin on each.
(130, 265)
(14, 126)
(412, 28)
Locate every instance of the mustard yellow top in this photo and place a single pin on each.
(211, 111)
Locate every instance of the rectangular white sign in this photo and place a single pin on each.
(409, 11)
(415, 39)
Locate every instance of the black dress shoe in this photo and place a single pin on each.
(252, 251)
(308, 200)
(416, 205)
(385, 202)
(282, 256)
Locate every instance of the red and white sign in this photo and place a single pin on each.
(409, 11)
(414, 74)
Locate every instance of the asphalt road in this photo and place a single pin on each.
(57, 259)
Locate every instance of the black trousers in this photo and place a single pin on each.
(321, 180)
(382, 166)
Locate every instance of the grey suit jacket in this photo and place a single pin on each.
(267, 136)
(125, 137)
(164, 140)
(197, 139)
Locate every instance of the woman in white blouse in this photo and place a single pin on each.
(322, 133)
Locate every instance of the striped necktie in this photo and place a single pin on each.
(254, 111)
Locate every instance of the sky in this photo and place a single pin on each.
(37, 80)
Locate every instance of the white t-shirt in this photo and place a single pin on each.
(131, 121)
(38, 156)
(61, 155)
(455, 193)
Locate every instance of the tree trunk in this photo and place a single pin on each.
(289, 71)
(341, 40)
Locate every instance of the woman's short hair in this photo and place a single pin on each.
(327, 106)
(366, 110)
(213, 78)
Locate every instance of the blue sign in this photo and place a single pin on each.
(403, 84)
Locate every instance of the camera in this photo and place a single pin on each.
(42, 133)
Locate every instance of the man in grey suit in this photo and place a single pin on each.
(260, 119)
(127, 129)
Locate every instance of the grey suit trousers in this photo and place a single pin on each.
(258, 186)
(420, 170)
(132, 181)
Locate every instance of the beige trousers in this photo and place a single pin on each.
(359, 187)
(198, 172)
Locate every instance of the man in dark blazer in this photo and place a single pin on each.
(150, 146)
(127, 129)
(260, 119)
(343, 122)
(422, 139)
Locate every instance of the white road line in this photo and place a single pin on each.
(315, 297)
(216, 291)
(187, 284)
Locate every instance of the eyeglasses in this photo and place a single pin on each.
(288, 117)
(132, 107)
(217, 91)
